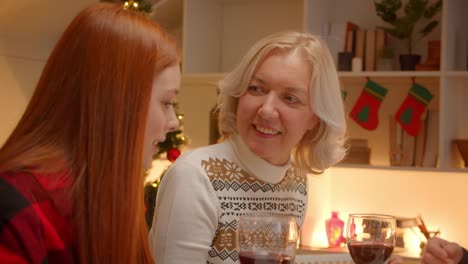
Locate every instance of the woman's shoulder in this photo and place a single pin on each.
(35, 195)
(18, 215)
(34, 187)
(191, 165)
(18, 198)
(220, 150)
(17, 190)
(32, 223)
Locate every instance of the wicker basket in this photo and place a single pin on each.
(462, 145)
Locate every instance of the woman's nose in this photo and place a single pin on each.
(173, 122)
(268, 109)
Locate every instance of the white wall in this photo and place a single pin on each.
(28, 32)
(18, 77)
(216, 34)
(201, 46)
(196, 99)
(256, 22)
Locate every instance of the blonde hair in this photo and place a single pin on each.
(324, 145)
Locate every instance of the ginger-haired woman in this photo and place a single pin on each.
(72, 171)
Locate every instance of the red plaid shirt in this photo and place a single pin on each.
(35, 219)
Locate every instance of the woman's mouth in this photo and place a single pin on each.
(268, 131)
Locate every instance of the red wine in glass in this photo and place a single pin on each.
(370, 237)
(266, 239)
(370, 253)
(251, 257)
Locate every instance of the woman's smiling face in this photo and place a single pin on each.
(274, 113)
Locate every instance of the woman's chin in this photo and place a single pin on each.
(147, 164)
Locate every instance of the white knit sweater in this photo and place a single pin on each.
(204, 192)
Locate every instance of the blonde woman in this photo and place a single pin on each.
(281, 117)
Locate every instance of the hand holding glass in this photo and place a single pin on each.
(370, 237)
(266, 239)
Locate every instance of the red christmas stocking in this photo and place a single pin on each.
(410, 112)
(366, 110)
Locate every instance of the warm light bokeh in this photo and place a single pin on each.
(437, 196)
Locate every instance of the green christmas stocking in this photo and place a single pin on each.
(366, 110)
(410, 112)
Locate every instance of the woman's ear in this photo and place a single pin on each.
(318, 128)
(315, 122)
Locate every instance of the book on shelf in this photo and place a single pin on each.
(349, 36)
(349, 44)
(380, 39)
(360, 41)
(370, 51)
(358, 153)
(366, 44)
(358, 143)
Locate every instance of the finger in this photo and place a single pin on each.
(451, 248)
(454, 251)
(394, 259)
(436, 247)
(428, 258)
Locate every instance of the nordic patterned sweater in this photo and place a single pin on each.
(203, 193)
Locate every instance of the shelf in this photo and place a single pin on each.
(399, 168)
(311, 251)
(391, 74)
(219, 75)
(456, 74)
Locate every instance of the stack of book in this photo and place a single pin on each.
(359, 152)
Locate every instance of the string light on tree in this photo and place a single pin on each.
(142, 6)
(131, 4)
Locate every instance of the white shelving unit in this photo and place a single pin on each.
(454, 82)
(214, 35)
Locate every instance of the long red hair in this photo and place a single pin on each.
(87, 117)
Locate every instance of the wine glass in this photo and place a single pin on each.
(263, 239)
(370, 237)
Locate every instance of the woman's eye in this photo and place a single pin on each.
(169, 104)
(255, 89)
(292, 99)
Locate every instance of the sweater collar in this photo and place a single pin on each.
(256, 166)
